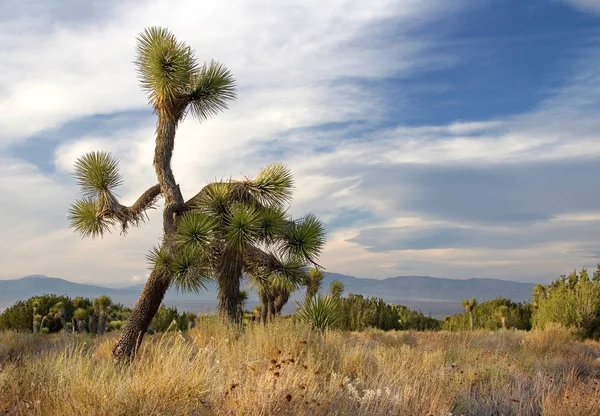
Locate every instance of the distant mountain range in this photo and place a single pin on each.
(436, 296)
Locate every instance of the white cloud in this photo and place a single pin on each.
(288, 51)
(591, 6)
(290, 60)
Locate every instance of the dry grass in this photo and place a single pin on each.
(284, 369)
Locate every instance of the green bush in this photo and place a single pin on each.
(486, 316)
(320, 312)
(572, 301)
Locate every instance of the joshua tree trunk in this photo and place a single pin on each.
(471, 320)
(228, 278)
(271, 310)
(280, 301)
(144, 310)
(81, 326)
(101, 323)
(35, 320)
(63, 321)
(93, 324)
(158, 282)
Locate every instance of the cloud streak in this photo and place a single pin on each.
(470, 198)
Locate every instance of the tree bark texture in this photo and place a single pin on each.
(228, 279)
(158, 283)
(144, 310)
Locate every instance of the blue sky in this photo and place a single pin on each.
(452, 139)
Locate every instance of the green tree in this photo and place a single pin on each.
(246, 226)
(502, 314)
(336, 289)
(273, 292)
(573, 302)
(313, 282)
(487, 315)
(37, 318)
(101, 308)
(60, 313)
(81, 317)
(191, 317)
(469, 306)
(176, 86)
(167, 318)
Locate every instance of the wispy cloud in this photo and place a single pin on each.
(467, 198)
(591, 6)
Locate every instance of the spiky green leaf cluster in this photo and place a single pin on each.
(305, 238)
(319, 312)
(165, 66)
(84, 218)
(169, 73)
(273, 185)
(189, 267)
(243, 227)
(97, 172)
(211, 88)
(195, 230)
(272, 224)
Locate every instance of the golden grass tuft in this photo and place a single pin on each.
(286, 369)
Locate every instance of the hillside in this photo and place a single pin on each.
(435, 296)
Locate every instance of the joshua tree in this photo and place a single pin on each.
(242, 298)
(176, 85)
(538, 293)
(191, 317)
(274, 292)
(59, 312)
(101, 306)
(221, 231)
(81, 316)
(313, 282)
(246, 228)
(36, 316)
(336, 289)
(282, 295)
(92, 322)
(469, 306)
(502, 314)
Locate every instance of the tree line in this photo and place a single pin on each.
(571, 300)
(55, 313)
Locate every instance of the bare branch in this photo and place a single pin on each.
(146, 200)
(109, 208)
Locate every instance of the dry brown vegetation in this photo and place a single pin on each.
(284, 369)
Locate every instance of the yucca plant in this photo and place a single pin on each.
(176, 86)
(81, 316)
(313, 282)
(59, 312)
(101, 305)
(319, 312)
(36, 316)
(470, 305)
(227, 229)
(274, 292)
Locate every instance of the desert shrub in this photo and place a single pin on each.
(164, 318)
(360, 313)
(486, 316)
(319, 312)
(572, 301)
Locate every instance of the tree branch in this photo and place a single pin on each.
(240, 192)
(111, 209)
